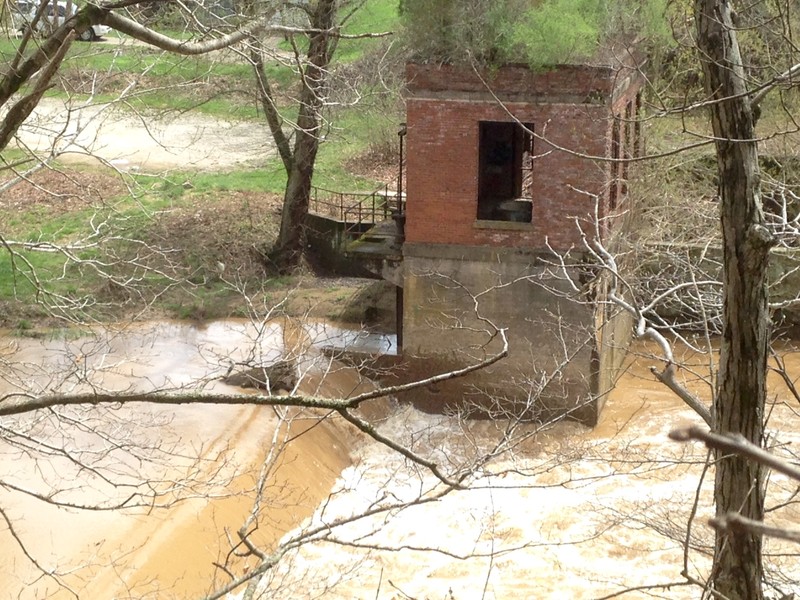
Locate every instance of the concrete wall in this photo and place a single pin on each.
(454, 297)
(325, 238)
(614, 330)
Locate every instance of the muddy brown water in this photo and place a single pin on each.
(574, 530)
(580, 514)
(157, 552)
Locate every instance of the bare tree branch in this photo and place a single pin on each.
(736, 444)
(734, 522)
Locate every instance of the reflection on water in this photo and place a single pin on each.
(325, 335)
(569, 513)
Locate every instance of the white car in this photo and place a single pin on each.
(24, 11)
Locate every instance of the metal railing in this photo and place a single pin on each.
(328, 203)
(360, 211)
(357, 210)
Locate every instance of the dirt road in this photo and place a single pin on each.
(148, 142)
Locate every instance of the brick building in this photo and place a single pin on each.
(503, 168)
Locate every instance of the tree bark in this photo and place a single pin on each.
(267, 100)
(739, 403)
(290, 245)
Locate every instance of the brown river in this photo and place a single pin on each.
(564, 512)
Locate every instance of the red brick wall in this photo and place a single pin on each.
(567, 79)
(442, 143)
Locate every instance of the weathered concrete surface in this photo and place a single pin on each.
(456, 297)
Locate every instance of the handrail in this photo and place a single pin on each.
(360, 211)
(361, 206)
(356, 210)
(341, 205)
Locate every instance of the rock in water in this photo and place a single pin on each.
(281, 375)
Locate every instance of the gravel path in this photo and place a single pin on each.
(148, 143)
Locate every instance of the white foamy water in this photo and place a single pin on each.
(573, 514)
(563, 512)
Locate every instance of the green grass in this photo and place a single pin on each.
(353, 130)
(221, 88)
(13, 271)
(19, 274)
(376, 16)
(38, 223)
(270, 179)
(42, 224)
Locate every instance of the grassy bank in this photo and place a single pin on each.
(191, 244)
(175, 249)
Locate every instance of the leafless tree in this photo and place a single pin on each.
(37, 62)
(732, 295)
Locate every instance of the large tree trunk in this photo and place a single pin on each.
(739, 403)
(290, 244)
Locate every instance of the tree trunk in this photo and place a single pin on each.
(289, 247)
(739, 403)
(267, 100)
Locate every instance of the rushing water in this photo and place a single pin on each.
(151, 552)
(573, 513)
(566, 513)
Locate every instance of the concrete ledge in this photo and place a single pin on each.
(475, 253)
(503, 225)
(479, 395)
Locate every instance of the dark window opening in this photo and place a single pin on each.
(505, 178)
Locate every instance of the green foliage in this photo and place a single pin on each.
(377, 16)
(451, 30)
(540, 33)
(625, 20)
(764, 31)
(555, 32)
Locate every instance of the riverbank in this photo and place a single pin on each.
(180, 248)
